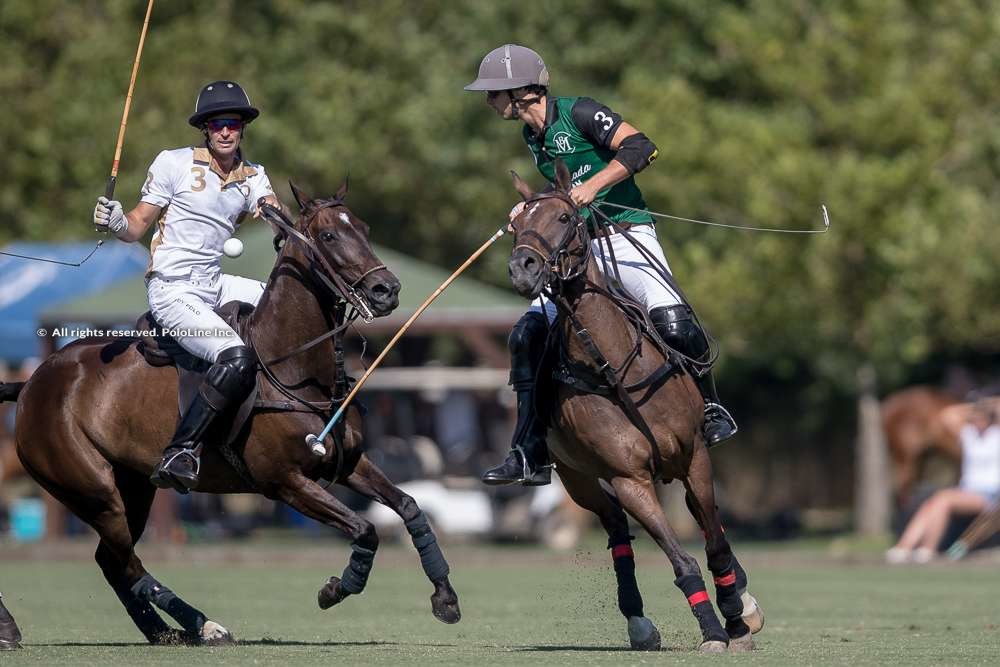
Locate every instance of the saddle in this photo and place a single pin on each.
(160, 349)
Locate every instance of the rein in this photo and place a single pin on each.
(329, 276)
(562, 274)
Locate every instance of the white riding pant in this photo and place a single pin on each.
(639, 279)
(185, 307)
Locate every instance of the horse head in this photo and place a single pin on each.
(551, 246)
(340, 254)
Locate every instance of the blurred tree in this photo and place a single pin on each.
(882, 109)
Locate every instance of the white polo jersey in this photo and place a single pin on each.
(201, 209)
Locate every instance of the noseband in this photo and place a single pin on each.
(326, 273)
(558, 262)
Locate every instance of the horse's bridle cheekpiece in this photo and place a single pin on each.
(557, 261)
(328, 275)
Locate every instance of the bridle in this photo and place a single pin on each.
(341, 290)
(559, 262)
(330, 277)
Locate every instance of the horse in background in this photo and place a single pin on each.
(916, 427)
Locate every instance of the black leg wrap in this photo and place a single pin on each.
(727, 597)
(741, 576)
(694, 590)
(431, 558)
(629, 599)
(143, 615)
(150, 589)
(355, 575)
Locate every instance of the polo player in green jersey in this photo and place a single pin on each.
(603, 154)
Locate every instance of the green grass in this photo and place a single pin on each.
(520, 606)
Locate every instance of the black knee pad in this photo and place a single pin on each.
(527, 345)
(231, 379)
(678, 329)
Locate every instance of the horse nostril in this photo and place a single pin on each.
(381, 289)
(529, 263)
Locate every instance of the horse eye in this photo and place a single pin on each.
(326, 236)
(564, 217)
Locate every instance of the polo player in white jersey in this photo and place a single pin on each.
(197, 196)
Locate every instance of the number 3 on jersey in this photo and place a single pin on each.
(604, 119)
(199, 179)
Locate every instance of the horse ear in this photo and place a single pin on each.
(562, 176)
(342, 192)
(301, 198)
(522, 188)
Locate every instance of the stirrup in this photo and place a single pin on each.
(164, 478)
(717, 412)
(540, 476)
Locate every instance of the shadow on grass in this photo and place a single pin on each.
(595, 649)
(265, 641)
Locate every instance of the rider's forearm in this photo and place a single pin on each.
(137, 226)
(611, 175)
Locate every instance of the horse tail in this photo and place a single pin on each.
(9, 391)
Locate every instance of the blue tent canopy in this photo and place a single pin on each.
(29, 287)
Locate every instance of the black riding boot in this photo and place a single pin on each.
(226, 385)
(677, 327)
(528, 461)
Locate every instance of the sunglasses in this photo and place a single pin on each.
(217, 124)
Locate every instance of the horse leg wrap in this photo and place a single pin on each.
(431, 559)
(701, 606)
(629, 599)
(150, 589)
(728, 599)
(142, 614)
(355, 575)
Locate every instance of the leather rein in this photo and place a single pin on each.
(562, 272)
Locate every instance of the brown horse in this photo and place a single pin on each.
(93, 418)
(598, 449)
(916, 426)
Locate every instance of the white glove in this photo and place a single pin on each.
(109, 215)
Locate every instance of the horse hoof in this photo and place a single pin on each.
(740, 644)
(444, 604)
(642, 634)
(9, 645)
(753, 615)
(713, 646)
(214, 634)
(331, 593)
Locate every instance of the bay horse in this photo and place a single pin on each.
(608, 461)
(92, 420)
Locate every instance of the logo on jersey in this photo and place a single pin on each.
(562, 142)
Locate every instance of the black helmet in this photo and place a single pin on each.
(222, 97)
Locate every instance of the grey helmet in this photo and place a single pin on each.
(510, 66)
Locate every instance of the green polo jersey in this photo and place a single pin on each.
(579, 130)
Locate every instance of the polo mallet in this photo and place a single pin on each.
(315, 442)
(109, 191)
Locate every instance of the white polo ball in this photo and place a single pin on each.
(233, 247)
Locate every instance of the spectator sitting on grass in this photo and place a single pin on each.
(978, 487)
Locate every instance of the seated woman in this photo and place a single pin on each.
(978, 487)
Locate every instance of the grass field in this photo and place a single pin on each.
(520, 606)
